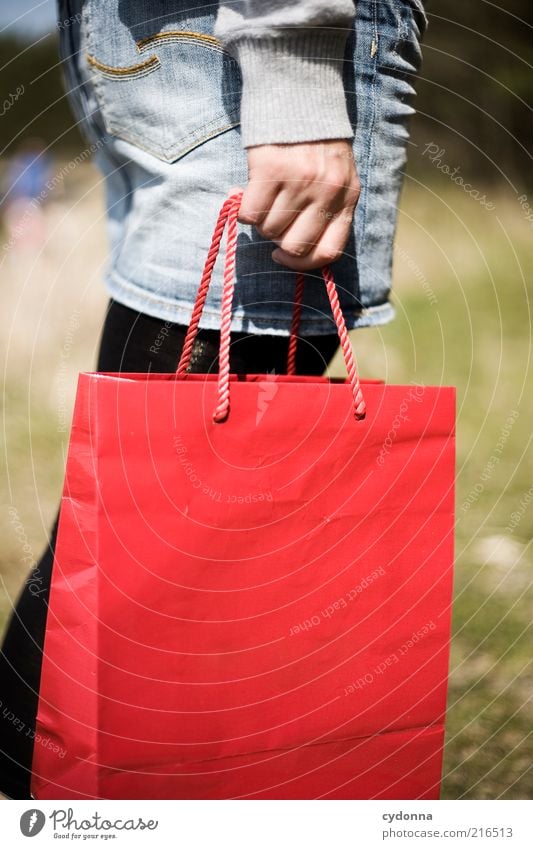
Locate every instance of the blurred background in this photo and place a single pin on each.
(463, 267)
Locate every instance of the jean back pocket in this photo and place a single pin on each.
(162, 81)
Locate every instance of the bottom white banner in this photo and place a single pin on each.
(263, 825)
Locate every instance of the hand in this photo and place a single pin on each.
(302, 197)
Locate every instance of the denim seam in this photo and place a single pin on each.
(116, 283)
(370, 137)
(167, 152)
(420, 8)
(402, 27)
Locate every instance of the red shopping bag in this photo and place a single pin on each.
(252, 583)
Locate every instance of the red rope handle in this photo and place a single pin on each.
(222, 408)
(347, 350)
(346, 345)
(228, 215)
(203, 288)
(293, 340)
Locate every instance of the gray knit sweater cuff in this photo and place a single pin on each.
(292, 87)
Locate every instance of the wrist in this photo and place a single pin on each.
(293, 88)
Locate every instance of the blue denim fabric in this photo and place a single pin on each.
(159, 100)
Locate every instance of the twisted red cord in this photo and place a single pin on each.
(346, 345)
(228, 215)
(203, 288)
(222, 408)
(295, 325)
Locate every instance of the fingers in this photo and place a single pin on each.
(329, 246)
(303, 233)
(302, 197)
(287, 218)
(286, 208)
(257, 200)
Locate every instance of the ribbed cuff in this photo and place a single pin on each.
(292, 87)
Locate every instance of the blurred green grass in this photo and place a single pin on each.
(477, 336)
(463, 318)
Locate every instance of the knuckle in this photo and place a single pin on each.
(294, 249)
(307, 174)
(337, 175)
(269, 233)
(331, 255)
(248, 216)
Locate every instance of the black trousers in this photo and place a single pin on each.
(130, 342)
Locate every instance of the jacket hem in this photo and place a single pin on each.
(176, 311)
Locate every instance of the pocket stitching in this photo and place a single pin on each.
(153, 62)
(176, 36)
(128, 72)
(167, 152)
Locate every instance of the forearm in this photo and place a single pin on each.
(291, 59)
